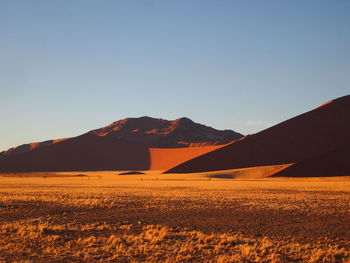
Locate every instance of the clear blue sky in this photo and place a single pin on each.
(67, 67)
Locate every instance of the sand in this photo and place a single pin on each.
(333, 163)
(166, 158)
(315, 132)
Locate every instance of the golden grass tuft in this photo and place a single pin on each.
(153, 243)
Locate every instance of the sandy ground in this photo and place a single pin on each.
(106, 217)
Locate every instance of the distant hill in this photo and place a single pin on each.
(123, 145)
(322, 130)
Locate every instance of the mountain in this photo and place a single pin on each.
(318, 131)
(159, 133)
(128, 144)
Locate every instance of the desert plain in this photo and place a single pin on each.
(102, 216)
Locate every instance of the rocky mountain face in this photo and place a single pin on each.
(160, 133)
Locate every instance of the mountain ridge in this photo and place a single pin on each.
(161, 133)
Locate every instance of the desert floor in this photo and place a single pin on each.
(106, 217)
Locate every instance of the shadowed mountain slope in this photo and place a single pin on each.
(321, 130)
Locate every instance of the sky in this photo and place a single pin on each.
(70, 66)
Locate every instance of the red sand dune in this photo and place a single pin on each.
(315, 132)
(92, 153)
(333, 163)
(29, 147)
(123, 145)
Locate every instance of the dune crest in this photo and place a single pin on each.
(29, 147)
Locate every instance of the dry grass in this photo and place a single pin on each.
(173, 218)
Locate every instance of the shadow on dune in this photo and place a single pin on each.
(131, 173)
(221, 176)
(333, 163)
(83, 153)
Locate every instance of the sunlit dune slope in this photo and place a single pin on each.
(333, 163)
(315, 132)
(165, 158)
